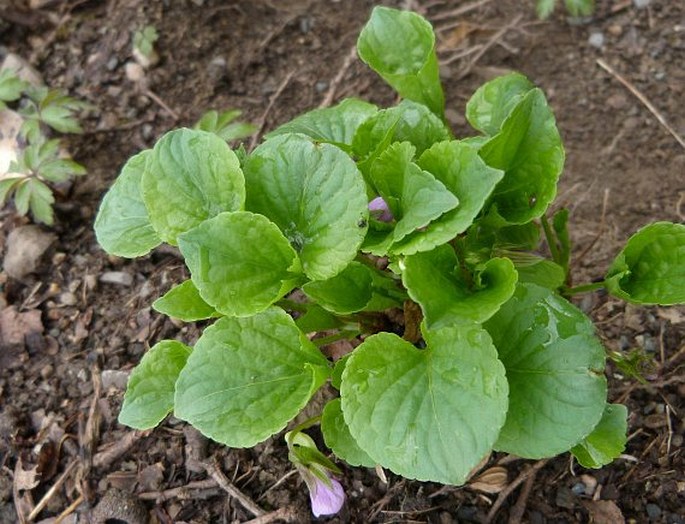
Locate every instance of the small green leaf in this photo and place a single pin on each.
(247, 377)
(607, 441)
(11, 86)
(400, 47)
(449, 295)
(544, 8)
(492, 102)
(40, 201)
(579, 8)
(528, 149)
(555, 366)
(465, 175)
(150, 391)
(317, 319)
(185, 303)
(540, 271)
(337, 436)
(347, 292)
(651, 267)
(7, 186)
(426, 414)
(223, 126)
(190, 176)
(22, 197)
(317, 197)
(240, 262)
(335, 125)
(122, 225)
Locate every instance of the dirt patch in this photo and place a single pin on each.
(60, 389)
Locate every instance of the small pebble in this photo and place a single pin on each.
(68, 299)
(47, 371)
(653, 511)
(321, 86)
(134, 71)
(596, 40)
(578, 488)
(120, 278)
(590, 484)
(114, 378)
(112, 63)
(641, 4)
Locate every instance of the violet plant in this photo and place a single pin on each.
(362, 209)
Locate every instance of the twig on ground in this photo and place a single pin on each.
(51, 492)
(105, 457)
(642, 98)
(459, 11)
(337, 80)
(504, 494)
(161, 103)
(72, 507)
(600, 230)
(262, 120)
(490, 43)
(277, 483)
(245, 501)
(287, 514)
(516, 515)
(181, 492)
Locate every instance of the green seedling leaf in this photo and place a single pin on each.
(150, 391)
(317, 319)
(336, 375)
(528, 149)
(11, 86)
(335, 125)
(56, 109)
(407, 122)
(40, 201)
(337, 437)
(22, 196)
(537, 270)
(651, 267)
(426, 414)
(400, 47)
(492, 102)
(580, 8)
(223, 125)
(190, 176)
(144, 40)
(122, 225)
(607, 441)
(414, 196)
(449, 294)
(317, 197)
(555, 365)
(247, 377)
(544, 8)
(240, 262)
(184, 303)
(8, 186)
(465, 175)
(347, 292)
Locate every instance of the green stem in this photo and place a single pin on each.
(302, 426)
(585, 288)
(551, 240)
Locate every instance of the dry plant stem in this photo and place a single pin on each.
(72, 507)
(511, 487)
(181, 492)
(15, 495)
(460, 11)
(600, 230)
(161, 103)
(337, 80)
(642, 98)
(106, 457)
(51, 492)
(265, 114)
(246, 502)
(490, 43)
(516, 515)
(286, 514)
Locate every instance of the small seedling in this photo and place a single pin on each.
(364, 209)
(575, 8)
(144, 46)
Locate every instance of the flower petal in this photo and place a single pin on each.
(326, 500)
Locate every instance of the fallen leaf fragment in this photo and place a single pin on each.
(604, 512)
(492, 480)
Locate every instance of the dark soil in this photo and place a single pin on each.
(60, 393)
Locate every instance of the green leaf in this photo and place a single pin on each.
(335, 125)
(540, 271)
(555, 367)
(22, 197)
(247, 377)
(400, 47)
(492, 102)
(317, 197)
(449, 295)
(317, 319)
(185, 303)
(7, 186)
(528, 149)
(651, 267)
(122, 225)
(337, 436)
(471, 180)
(426, 414)
(240, 262)
(544, 8)
(11, 86)
(150, 391)
(607, 441)
(580, 7)
(222, 125)
(190, 176)
(407, 122)
(40, 201)
(414, 196)
(347, 292)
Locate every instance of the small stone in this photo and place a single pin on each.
(120, 278)
(68, 299)
(653, 511)
(596, 39)
(217, 68)
(617, 101)
(565, 498)
(22, 69)
(615, 30)
(321, 86)
(82, 375)
(114, 378)
(25, 246)
(134, 72)
(112, 63)
(578, 488)
(47, 371)
(641, 4)
(590, 483)
(119, 506)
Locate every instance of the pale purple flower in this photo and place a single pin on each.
(327, 497)
(380, 210)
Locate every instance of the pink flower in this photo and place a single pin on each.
(380, 210)
(327, 496)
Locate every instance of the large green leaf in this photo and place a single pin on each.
(336, 125)
(400, 47)
(337, 436)
(185, 303)
(426, 414)
(492, 102)
(528, 149)
(190, 176)
(651, 267)
(240, 262)
(555, 367)
(247, 377)
(347, 292)
(315, 194)
(447, 292)
(607, 441)
(463, 172)
(122, 226)
(150, 390)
